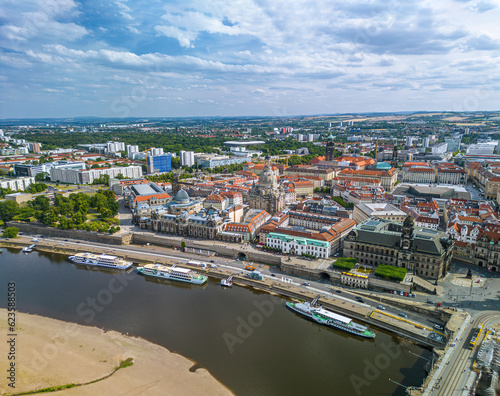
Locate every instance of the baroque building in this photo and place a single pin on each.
(376, 241)
(267, 194)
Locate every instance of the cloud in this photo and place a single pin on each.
(186, 27)
(248, 56)
(43, 21)
(482, 43)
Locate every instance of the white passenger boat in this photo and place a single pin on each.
(328, 318)
(102, 260)
(173, 273)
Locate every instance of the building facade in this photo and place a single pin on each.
(159, 163)
(426, 252)
(18, 184)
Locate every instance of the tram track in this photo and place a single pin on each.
(461, 362)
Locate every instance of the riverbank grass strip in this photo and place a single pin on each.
(124, 363)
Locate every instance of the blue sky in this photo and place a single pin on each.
(65, 58)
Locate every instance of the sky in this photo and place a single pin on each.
(155, 58)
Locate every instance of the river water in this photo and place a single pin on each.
(247, 339)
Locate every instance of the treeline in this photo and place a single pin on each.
(276, 147)
(71, 212)
(170, 141)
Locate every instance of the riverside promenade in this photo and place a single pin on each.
(288, 287)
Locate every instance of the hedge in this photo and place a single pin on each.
(390, 272)
(345, 263)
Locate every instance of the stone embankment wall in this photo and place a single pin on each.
(39, 229)
(334, 277)
(141, 239)
(220, 250)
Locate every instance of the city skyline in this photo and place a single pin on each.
(65, 58)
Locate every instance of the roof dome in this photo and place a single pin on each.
(181, 197)
(267, 178)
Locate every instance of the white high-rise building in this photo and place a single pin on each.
(114, 147)
(409, 141)
(155, 151)
(131, 150)
(425, 142)
(310, 137)
(187, 158)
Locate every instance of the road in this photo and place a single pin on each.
(451, 376)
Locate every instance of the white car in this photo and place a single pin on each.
(381, 307)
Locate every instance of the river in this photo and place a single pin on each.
(247, 339)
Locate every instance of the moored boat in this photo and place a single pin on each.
(227, 282)
(173, 273)
(102, 260)
(327, 318)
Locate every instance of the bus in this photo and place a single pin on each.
(475, 335)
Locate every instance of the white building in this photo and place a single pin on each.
(187, 158)
(297, 245)
(71, 176)
(214, 160)
(385, 211)
(484, 148)
(131, 150)
(439, 148)
(155, 151)
(19, 184)
(115, 147)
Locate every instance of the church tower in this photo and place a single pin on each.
(330, 149)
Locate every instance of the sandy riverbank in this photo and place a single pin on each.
(50, 352)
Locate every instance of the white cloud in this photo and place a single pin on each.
(301, 56)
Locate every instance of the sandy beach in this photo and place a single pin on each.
(50, 352)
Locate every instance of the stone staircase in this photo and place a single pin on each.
(423, 285)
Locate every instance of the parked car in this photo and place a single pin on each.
(438, 327)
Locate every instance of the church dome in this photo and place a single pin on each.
(182, 197)
(267, 178)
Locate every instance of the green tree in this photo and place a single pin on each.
(41, 202)
(9, 209)
(10, 232)
(43, 176)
